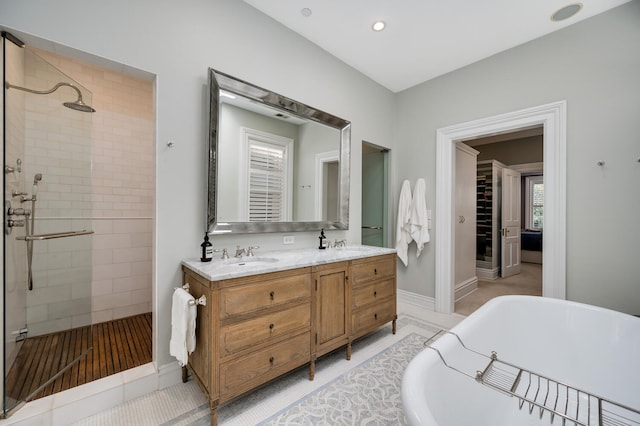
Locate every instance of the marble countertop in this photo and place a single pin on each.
(278, 260)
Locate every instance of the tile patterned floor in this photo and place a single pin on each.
(294, 399)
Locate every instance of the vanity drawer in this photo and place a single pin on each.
(249, 371)
(247, 299)
(374, 315)
(380, 267)
(270, 327)
(372, 293)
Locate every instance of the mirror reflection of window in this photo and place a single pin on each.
(331, 186)
(267, 193)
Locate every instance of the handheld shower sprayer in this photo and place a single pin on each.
(37, 178)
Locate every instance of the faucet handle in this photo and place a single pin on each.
(225, 254)
(250, 250)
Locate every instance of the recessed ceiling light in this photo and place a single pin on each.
(566, 12)
(378, 26)
(306, 12)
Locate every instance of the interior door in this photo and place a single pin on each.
(465, 220)
(510, 229)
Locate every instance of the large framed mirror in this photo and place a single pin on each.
(275, 164)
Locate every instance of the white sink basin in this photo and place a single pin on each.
(250, 260)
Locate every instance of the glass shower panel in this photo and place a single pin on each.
(48, 296)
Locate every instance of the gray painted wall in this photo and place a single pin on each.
(593, 65)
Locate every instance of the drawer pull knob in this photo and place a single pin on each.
(375, 271)
(375, 294)
(272, 295)
(271, 360)
(375, 316)
(271, 327)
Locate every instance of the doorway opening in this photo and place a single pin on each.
(552, 118)
(507, 186)
(375, 194)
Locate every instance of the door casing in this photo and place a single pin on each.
(553, 118)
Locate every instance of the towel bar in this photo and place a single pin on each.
(202, 300)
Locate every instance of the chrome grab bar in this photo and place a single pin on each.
(371, 227)
(54, 235)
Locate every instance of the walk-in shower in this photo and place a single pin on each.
(47, 217)
(77, 307)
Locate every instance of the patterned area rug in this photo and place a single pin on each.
(367, 395)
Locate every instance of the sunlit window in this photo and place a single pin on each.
(535, 202)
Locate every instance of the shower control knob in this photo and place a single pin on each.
(11, 223)
(18, 212)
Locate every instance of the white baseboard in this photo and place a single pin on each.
(415, 299)
(465, 287)
(487, 274)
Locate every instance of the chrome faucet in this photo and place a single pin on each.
(225, 255)
(340, 243)
(239, 251)
(250, 250)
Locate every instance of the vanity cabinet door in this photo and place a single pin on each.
(331, 304)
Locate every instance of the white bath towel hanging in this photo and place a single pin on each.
(403, 236)
(418, 220)
(183, 326)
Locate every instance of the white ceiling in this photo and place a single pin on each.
(423, 38)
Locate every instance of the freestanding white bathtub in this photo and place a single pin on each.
(562, 343)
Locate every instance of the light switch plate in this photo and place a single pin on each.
(288, 239)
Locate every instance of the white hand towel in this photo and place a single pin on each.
(403, 237)
(418, 221)
(183, 326)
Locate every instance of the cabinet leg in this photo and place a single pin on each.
(349, 351)
(312, 369)
(393, 324)
(213, 409)
(184, 374)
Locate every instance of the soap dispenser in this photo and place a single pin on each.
(207, 249)
(322, 238)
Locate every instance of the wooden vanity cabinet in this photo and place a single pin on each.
(256, 328)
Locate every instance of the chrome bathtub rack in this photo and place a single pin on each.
(540, 394)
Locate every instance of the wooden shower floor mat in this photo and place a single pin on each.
(117, 346)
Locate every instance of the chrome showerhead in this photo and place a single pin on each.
(78, 105)
(37, 178)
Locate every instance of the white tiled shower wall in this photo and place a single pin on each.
(117, 197)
